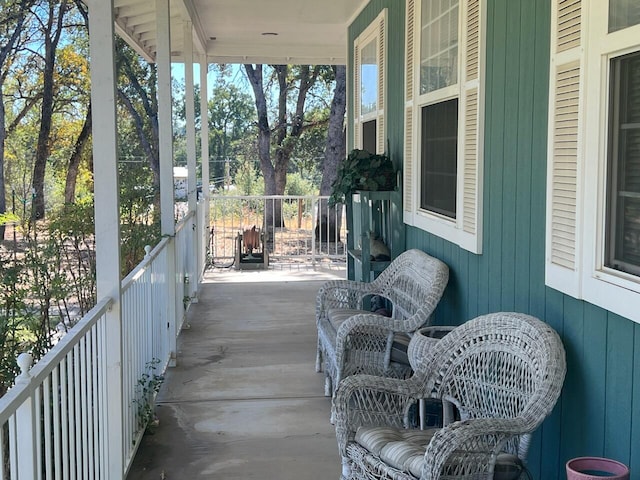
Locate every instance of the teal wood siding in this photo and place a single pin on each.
(599, 411)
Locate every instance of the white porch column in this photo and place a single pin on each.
(190, 113)
(165, 135)
(204, 149)
(107, 218)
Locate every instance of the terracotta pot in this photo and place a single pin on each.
(596, 468)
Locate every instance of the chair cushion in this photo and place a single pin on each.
(399, 348)
(404, 450)
(337, 316)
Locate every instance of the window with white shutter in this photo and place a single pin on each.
(444, 105)
(593, 163)
(369, 88)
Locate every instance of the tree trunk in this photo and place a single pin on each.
(149, 103)
(264, 132)
(5, 53)
(3, 135)
(272, 214)
(329, 219)
(43, 147)
(151, 152)
(76, 157)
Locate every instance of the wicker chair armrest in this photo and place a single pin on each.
(370, 322)
(369, 400)
(341, 294)
(367, 332)
(470, 446)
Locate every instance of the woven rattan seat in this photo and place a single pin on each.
(503, 373)
(352, 340)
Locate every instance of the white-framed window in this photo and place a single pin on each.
(593, 171)
(369, 53)
(444, 105)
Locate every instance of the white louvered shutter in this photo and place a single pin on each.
(470, 206)
(357, 136)
(563, 162)
(409, 171)
(381, 146)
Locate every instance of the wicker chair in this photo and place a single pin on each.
(352, 340)
(502, 373)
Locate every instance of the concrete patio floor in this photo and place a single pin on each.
(244, 400)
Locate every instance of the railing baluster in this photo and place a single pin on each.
(64, 402)
(13, 448)
(24, 426)
(3, 449)
(57, 424)
(84, 409)
(48, 432)
(77, 417)
(38, 430)
(93, 432)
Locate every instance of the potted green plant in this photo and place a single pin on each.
(362, 170)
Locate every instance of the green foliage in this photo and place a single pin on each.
(307, 156)
(147, 388)
(13, 319)
(297, 185)
(139, 225)
(48, 282)
(71, 231)
(248, 180)
(6, 218)
(362, 170)
(232, 132)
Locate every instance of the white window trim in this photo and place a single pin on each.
(466, 229)
(589, 279)
(376, 32)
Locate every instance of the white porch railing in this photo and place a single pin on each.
(303, 235)
(53, 421)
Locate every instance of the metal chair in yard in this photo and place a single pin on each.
(500, 373)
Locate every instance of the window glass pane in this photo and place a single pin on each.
(623, 14)
(439, 157)
(369, 137)
(369, 79)
(623, 210)
(438, 45)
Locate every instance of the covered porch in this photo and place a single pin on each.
(219, 427)
(244, 400)
(80, 411)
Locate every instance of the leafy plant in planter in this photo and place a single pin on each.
(362, 170)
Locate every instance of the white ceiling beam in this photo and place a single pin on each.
(200, 39)
(136, 43)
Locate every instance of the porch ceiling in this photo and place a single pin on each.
(232, 31)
